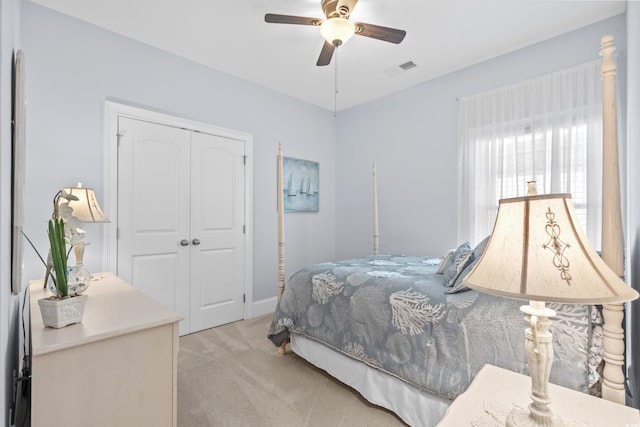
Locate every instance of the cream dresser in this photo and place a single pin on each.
(116, 368)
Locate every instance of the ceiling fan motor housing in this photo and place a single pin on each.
(338, 8)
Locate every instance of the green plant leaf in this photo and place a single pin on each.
(58, 247)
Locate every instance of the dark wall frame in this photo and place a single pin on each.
(17, 169)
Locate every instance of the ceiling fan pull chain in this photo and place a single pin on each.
(335, 82)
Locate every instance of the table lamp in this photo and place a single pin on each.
(84, 208)
(538, 252)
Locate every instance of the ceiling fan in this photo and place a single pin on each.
(337, 28)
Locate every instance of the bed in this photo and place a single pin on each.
(405, 332)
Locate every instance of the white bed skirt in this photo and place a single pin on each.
(414, 406)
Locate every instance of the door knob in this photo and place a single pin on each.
(184, 242)
(195, 242)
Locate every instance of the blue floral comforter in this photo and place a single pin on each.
(391, 313)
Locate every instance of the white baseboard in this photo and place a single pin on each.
(262, 307)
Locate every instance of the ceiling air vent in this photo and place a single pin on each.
(396, 70)
(408, 65)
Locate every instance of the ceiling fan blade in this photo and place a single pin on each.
(274, 18)
(325, 54)
(392, 35)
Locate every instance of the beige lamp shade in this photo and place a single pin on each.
(86, 208)
(538, 251)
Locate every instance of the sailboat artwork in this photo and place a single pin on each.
(301, 189)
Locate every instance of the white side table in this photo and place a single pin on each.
(496, 388)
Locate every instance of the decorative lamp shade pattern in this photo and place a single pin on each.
(86, 208)
(538, 251)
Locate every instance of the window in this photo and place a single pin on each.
(546, 130)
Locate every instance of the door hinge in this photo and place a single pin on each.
(244, 298)
(244, 229)
(119, 135)
(244, 160)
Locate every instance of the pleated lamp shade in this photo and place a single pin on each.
(86, 208)
(538, 251)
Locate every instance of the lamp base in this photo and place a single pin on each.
(523, 417)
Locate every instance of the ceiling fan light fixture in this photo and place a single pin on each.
(337, 30)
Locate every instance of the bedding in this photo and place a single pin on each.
(393, 313)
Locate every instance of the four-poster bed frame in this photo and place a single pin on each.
(613, 377)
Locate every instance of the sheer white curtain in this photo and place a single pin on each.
(547, 129)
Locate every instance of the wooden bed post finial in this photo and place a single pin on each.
(612, 246)
(606, 51)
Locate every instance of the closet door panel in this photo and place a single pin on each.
(154, 212)
(217, 221)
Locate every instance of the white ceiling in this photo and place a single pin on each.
(442, 36)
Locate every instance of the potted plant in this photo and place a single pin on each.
(67, 304)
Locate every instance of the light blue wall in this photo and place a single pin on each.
(412, 136)
(73, 67)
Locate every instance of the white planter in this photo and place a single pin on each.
(58, 313)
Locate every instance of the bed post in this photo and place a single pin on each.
(375, 211)
(280, 204)
(613, 380)
(280, 207)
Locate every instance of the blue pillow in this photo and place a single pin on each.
(461, 258)
(458, 286)
(480, 247)
(446, 262)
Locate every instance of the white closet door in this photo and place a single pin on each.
(217, 220)
(154, 212)
(181, 215)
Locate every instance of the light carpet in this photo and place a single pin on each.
(233, 376)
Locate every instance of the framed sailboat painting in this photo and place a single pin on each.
(301, 185)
